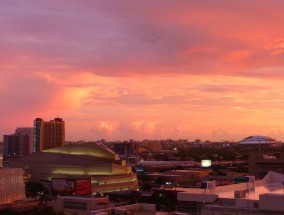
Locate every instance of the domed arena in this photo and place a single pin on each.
(257, 140)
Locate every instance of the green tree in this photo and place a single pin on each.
(8, 211)
(146, 186)
(34, 189)
(145, 178)
(160, 180)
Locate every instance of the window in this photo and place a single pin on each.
(75, 205)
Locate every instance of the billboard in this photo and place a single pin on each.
(138, 169)
(206, 163)
(63, 186)
(83, 186)
(71, 186)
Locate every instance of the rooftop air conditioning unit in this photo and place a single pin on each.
(207, 184)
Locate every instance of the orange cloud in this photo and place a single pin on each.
(119, 70)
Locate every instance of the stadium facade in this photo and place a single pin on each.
(91, 160)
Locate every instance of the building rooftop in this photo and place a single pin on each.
(257, 139)
(77, 160)
(250, 197)
(260, 188)
(272, 183)
(98, 150)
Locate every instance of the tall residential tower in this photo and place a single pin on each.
(48, 134)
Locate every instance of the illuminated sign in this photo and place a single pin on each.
(83, 186)
(71, 186)
(206, 163)
(139, 169)
(63, 186)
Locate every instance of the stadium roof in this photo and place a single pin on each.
(257, 140)
(98, 150)
(83, 160)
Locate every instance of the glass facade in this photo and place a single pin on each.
(11, 185)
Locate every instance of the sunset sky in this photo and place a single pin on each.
(149, 69)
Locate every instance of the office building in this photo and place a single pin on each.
(1, 155)
(29, 132)
(124, 149)
(10, 145)
(15, 145)
(18, 144)
(261, 164)
(80, 205)
(48, 134)
(11, 185)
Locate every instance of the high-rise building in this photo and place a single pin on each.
(123, 148)
(48, 134)
(11, 145)
(1, 155)
(18, 144)
(15, 145)
(27, 132)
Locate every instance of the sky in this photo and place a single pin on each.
(120, 70)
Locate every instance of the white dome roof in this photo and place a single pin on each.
(258, 140)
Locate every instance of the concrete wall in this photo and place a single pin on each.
(246, 203)
(149, 209)
(194, 197)
(273, 202)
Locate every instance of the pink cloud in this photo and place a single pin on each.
(127, 38)
(181, 68)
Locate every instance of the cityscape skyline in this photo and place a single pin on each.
(144, 70)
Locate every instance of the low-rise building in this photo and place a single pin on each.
(80, 205)
(252, 197)
(133, 209)
(260, 165)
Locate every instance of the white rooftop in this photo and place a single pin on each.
(272, 184)
(257, 139)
